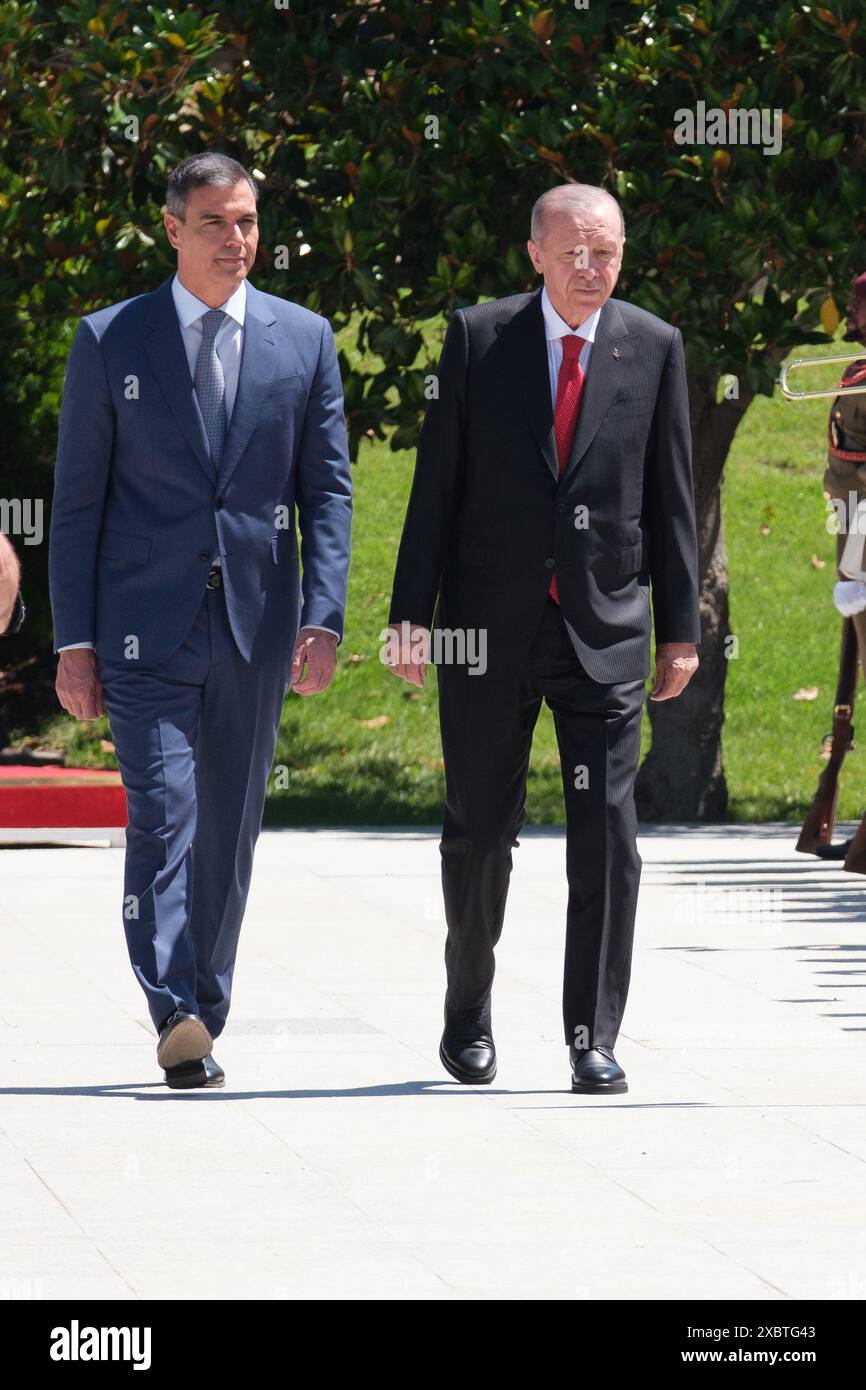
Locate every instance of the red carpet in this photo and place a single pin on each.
(40, 797)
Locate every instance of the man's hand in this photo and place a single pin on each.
(409, 644)
(314, 662)
(78, 686)
(10, 577)
(676, 663)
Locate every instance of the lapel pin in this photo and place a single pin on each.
(616, 352)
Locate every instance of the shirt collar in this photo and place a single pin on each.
(189, 308)
(556, 327)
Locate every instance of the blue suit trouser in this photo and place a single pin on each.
(195, 740)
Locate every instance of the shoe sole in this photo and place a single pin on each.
(189, 1074)
(599, 1088)
(188, 1041)
(185, 1075)
(463, 1077)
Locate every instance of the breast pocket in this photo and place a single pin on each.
(287, 390)
(283, 405)
(623, 406)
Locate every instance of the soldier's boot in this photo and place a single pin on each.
(837, 851)
(855, 859)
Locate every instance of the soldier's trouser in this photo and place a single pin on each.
(859, 618)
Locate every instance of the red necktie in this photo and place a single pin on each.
(569, 387)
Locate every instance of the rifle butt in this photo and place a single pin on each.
(820, 820)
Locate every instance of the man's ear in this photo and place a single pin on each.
(169, 228)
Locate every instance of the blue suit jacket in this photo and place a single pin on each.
(140, 511)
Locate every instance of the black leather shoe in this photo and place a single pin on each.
(595, 1070)
(467, 1049)
(214, 1072)
(186, 1075)
(183, 1038)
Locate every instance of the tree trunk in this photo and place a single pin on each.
(682, 777)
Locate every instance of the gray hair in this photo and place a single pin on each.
(203, 170)
(581, 196)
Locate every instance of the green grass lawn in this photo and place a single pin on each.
(368, 751)
(782, 609)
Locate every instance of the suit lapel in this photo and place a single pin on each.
(258, 369)
(524, 343)
(605, 374)
(167, 354)
(525, 351)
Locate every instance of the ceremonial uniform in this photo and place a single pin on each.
(845, 479)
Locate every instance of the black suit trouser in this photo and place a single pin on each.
(487, 724)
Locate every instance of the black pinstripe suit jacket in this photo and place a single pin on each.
(489, 515)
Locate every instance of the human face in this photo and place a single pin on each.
(580, 257)
(216, 242)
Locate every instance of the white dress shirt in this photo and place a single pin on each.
(555, 330)
(229, 343)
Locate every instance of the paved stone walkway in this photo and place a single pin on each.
(341, 1161)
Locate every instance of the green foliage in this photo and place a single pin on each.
(368, 750)
(335, 107)
(399, 150)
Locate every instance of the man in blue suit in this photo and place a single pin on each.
(197, 422)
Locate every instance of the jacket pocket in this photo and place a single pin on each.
(117, 545)
(629, 560)
(286, 390)
(623, 401)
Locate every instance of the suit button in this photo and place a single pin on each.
(549, 564)
(204, 555)
(561, 507)
(218, 503)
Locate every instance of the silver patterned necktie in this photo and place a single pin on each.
(210, 385)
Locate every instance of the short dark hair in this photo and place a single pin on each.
(201, 170)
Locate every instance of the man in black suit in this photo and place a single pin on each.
(552, 487)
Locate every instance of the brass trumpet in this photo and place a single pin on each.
(789, 367)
